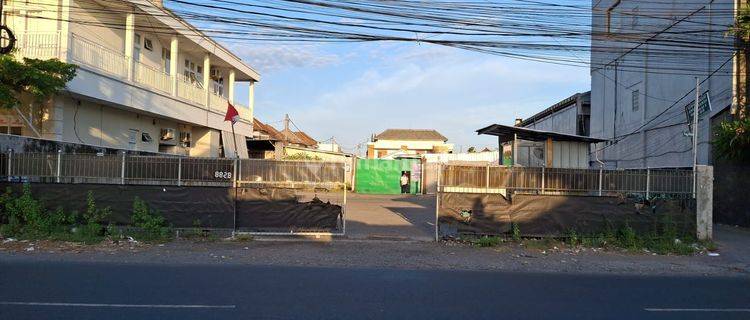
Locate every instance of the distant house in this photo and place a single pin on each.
(407, 142)
(265, 142)
(298, 138)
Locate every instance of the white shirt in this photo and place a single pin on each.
(404, 180)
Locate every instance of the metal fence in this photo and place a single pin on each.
(166, 170)
(500, 179)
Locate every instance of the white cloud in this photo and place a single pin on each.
(267, 58)
(453, 96)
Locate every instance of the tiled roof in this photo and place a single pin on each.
(410, 134)
(268, 130)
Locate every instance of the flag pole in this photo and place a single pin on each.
(237, 159)
(233, 116)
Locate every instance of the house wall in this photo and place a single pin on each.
(563, 121)
(102, 107)
(659, 74)
(90, 123)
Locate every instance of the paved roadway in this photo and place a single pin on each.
(65, 290)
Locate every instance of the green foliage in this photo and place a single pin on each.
(26, 215)
(151, 223)
(515, 232)
(732, 140)
(39, 78)
(302, 156)
(741, 27)
(94, 217)
(573, 238)
(487, 241)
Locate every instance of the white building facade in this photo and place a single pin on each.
(645, 58)
(146, 81)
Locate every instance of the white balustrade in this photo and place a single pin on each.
(102, 58)
(38, 45)
(190, 90)
(151, 77)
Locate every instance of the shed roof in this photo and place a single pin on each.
(411, 135)
(567, 102)
(506, 133)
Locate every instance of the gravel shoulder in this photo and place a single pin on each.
(510, 257)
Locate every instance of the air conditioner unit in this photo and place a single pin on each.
(167, 134)
(185, 139)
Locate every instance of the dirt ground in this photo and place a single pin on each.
(390, 217)
(733, 258)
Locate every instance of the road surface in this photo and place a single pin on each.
(81, 290)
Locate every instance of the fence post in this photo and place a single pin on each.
(648, 182)
(57, 174)
(704, 202)
(487, 179)
(437, 203)
(601, 174)
(122, 169)
(10, 167)
(179, 172)
(542, 179)
(234, 173)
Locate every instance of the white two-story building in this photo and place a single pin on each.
(147, 80)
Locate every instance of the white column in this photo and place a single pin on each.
(174, 49)
(230, 90)
(129, 42)
(251, 99)
(65, 35)
(207, 78)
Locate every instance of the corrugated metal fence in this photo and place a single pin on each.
(498, 179)
(165, 170)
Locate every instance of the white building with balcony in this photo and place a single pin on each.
(147, 80)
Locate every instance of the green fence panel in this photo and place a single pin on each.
(381, 176)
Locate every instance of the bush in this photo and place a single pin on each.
(151, 223)
(94, 217)
(26, 215)
(486, 241)
(515, 231)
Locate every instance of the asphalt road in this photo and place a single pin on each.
(62, 290)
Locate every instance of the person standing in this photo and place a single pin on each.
(404, 182)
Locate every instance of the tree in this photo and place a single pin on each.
(38, 79)
(471, 150)
(732, 140)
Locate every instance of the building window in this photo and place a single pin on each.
(166, 60)
(635, 100)
(190, 71)
(609, 15)
(137, 48)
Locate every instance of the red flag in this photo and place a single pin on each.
(232, 114)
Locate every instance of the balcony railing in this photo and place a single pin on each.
(151, 77)
(38, 45)
(190, 90)
(88, 53)
(99, 57)
(218, 103)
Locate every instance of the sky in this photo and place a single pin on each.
(353, 90)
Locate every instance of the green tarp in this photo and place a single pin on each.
(380, 176)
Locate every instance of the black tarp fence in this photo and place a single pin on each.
(556, 215)
(259, 209)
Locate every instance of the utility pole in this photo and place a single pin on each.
(695, 132)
